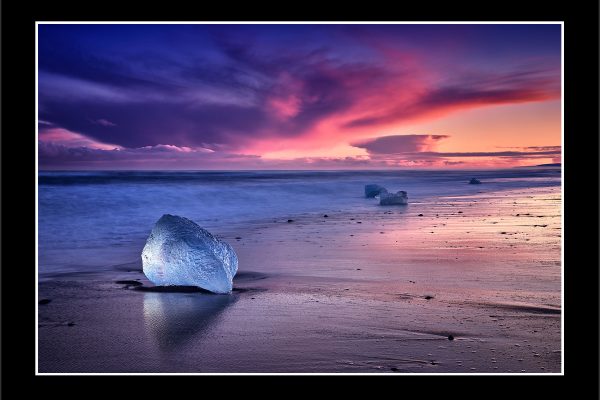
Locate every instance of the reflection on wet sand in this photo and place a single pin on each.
(173, 319)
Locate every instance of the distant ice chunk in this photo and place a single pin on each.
(374, 190)
(178, 252)
(474, 181)
(389, 199)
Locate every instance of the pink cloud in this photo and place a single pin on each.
(286, 100)
(67, 138)
(284, 107)
(177, 149)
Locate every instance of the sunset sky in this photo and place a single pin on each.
(298, 96)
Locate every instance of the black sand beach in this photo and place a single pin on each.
(471, 286)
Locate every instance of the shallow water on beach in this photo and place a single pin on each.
(85, 214)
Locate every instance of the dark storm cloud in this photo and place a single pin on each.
(399, 143)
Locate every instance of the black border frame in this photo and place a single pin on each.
(580, 184)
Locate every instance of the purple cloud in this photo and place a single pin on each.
(103, 122)
(57, 156)
(399, 143)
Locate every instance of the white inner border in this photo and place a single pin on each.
(562, 129)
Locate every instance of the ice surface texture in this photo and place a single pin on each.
(178, 252)
(388, 199)
(374, 190)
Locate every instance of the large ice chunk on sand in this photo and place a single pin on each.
(178, 252)
(374, 190)
(388, 199)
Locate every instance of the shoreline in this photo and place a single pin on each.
(249, 227)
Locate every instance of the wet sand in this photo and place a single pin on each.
(375, 292)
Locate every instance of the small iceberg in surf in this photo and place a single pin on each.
(374, 190)
(389, 199)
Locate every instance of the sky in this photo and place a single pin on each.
(277, 96)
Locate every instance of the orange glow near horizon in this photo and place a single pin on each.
(485, 129)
